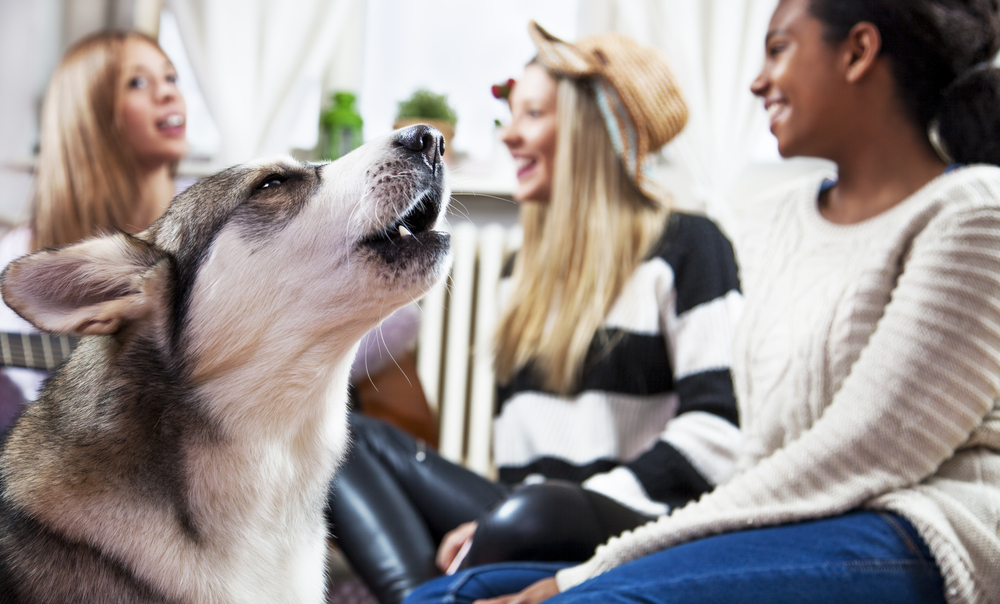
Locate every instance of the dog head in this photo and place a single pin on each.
(275, 254)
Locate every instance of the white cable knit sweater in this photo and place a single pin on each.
(867, 369)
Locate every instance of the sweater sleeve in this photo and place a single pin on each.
(930, 371)
(698, 309)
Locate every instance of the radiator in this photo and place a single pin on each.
(455, 347)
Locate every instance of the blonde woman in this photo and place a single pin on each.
(112, 132)
(615, 399)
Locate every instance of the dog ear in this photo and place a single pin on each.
(92, 287)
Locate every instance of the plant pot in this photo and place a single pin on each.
(447, 130)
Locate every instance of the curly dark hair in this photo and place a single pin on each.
(938, 53)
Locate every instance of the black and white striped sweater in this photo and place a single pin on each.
(653, 421)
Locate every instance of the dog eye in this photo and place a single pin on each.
(271, 181)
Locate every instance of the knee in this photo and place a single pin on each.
(536, 509)
(550, 521)
(431, 592)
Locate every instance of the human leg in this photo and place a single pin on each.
(482, 582)
(858, 557)
(551, 521)
(392, 501)
(444, 493)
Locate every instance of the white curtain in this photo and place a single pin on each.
(263, 66)
(716, 49)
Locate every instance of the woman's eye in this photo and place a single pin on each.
(172, 78)
(271, 181)
(137, 82)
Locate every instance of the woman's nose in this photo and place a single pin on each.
(508, 135)
(166, 91)
(759, 86)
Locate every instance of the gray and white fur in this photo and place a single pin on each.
(182, 454)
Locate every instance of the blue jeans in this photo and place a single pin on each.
(858, 557)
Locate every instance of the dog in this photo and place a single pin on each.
(183, 452)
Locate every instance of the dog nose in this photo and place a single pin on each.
(422, 139)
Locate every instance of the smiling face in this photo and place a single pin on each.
(802, 83)
(531, 134)
(152, 110)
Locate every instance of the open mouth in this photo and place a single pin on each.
(411, 229)
(524, 165)
(174, 121)
(774, 110)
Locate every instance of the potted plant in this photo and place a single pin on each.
(426, 107)
(341, 126)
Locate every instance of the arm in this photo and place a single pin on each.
(450, 554)
(698, 309)
(930, 371)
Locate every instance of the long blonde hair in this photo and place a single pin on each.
(87, 181)
(579, 249)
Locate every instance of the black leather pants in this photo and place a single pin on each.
(554, 521)
(394, 500)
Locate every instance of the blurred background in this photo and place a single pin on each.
(259, 75)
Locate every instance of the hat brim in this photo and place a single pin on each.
(560, 56)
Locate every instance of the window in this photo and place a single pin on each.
(452, 47)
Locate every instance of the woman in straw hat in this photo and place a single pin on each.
(112, 132)
(867, 362)
(615, 398)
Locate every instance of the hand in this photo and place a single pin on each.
(453, 542)
(534, 593)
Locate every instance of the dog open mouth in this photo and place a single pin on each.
(412, 233)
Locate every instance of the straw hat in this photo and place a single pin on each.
(635, 89)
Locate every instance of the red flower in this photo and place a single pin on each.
(502, 91)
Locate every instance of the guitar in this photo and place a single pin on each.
(39, 351)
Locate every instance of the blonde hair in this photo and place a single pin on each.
(579, 249)
(86, 182)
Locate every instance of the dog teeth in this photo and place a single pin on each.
(404, 232)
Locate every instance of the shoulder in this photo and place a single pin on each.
(975, 186)
(687, 231)
(960, 205)
(774, 216)
(691, 238)
(764, 211)
(701, 258)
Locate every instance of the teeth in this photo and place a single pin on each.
(404, 232)
(774, 109)
(523, 162)
(174, 120)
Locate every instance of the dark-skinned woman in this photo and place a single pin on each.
(867, 362)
